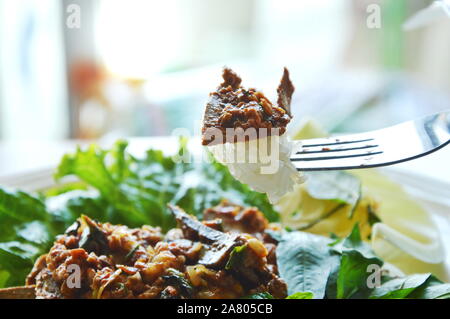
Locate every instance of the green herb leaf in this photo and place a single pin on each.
(354, 242)
(236, 257)
(16, 260)
(353, 275)
(301, 295)
(137, 191)
(25, 233)
(261, 295)
(356, 257)
(176, 278)
(399, 288)
(420, 286)
(433, 288)
(21, 206)
(305, 262)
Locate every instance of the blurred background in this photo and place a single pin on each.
(104, 69)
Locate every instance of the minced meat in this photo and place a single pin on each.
(115, 261)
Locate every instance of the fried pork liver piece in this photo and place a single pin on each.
(245, 256)
(233, 106)
(235, 218)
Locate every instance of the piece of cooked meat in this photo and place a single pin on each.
(232, 106)
(192, 261)
(237, 218)
(245, 256)
(217, 245)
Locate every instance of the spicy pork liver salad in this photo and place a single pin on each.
(228, 255)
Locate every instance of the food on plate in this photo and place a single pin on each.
(245, 131)
(228, 255)
(162, 229)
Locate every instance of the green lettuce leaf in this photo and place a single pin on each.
(16, 260)
(137, 191)
(26, 232)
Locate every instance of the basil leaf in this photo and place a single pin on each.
(236, 257)
(352, 276)
(177, 279)
(399, 288)
(305, 262)
(354, 242)
(419, 286)
(433, 288)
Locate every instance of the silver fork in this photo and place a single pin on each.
(391, 145)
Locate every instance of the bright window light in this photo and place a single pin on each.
(137, 39)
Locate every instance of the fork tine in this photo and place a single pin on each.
(351, 151)
(335, 164)
(349, 147)
(348, 139)
(335, 149)
(341, 155)
(391, 145)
